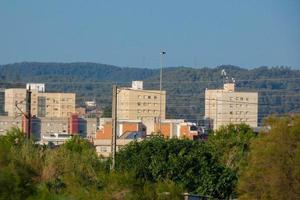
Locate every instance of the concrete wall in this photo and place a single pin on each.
(7, 122)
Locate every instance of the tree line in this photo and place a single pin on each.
(278, 86)
(234, 162)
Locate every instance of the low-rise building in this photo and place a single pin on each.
(123, 127)
(46, 126)
(176, 128)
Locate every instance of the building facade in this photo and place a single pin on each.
(42, 104)
(12, 97)
(135, 103)
(227, 106)
(52, 104)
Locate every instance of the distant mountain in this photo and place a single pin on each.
(278, 86)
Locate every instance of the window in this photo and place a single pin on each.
(149, 97)
(231, 112)
(139, 96)
(242, 98)
(155, 97)
(103, 149)
(139, 103)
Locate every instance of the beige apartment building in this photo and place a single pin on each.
(227, 106)
(135, 103)
(42, 104)
(52, 104)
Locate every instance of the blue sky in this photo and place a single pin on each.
(131, 33)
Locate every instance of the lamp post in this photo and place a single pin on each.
(162, 53)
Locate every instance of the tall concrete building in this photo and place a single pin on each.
(42, 104)
(227, 106)
(135, 103)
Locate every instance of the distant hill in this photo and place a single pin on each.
(278, 86)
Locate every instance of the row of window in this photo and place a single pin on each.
(239, 99)
(239, 119)
(63, 107)
(239, 112)
(141, 111)
(147, 111)
(245, 105)
(147, 104)
(147, 97)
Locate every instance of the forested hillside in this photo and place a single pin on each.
(278, 87)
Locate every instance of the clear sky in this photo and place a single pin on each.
(247, 33)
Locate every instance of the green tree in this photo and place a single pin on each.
(188, 164)
(230, 145)
(19, 166)
(273, 170)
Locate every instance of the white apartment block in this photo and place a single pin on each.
(227, 106)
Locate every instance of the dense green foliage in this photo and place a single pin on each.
(231, 145)
(71, 171)
(234, 162)
(278, 86)
(273, 165)
(189, 164)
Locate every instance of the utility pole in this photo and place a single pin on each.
(28, 112)
(114, 126)
(162, 53)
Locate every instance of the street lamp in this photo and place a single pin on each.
(162, 53)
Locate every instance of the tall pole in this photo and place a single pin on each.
(114, 126)
(162, 53)
(28, 112)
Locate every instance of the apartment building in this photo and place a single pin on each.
(52, 104)
(135, 103)
(227, 106)
(42, 104)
